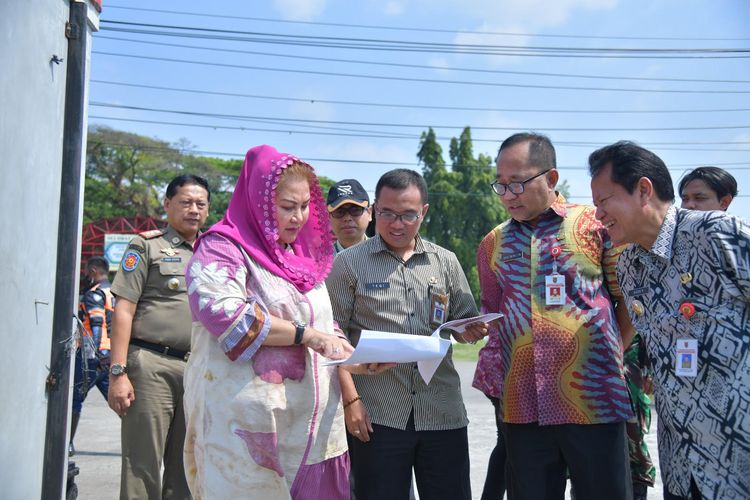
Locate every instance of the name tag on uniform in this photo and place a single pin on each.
(554, 287)
(172, 259)
(686, 364)
(511, 256)
(439, 308)
(377, 286)
(637, 292)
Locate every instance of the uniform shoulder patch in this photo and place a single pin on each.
(130, 261)
(147, 235)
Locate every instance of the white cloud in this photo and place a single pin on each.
(440, 63)
(521, 18)
(536, 13)
(487, 40)
(300, 10)
(311, 110)
(394, 8)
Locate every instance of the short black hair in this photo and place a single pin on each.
(541, 151)
(629, 163)
(719, 180)
(400, 179)
(99, 263)
(187, 180)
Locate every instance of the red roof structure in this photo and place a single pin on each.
(92, 242)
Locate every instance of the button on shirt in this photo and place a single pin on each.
(700, 258)
(371, 288)
(156, 284)
(552, 364)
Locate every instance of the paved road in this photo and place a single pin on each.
(98, 443)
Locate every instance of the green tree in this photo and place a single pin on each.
(127, 174)
(463, 207)
(124, 172)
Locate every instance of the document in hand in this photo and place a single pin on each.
(428, 352)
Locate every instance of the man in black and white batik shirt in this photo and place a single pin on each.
(686, 282)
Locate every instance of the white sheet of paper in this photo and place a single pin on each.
(459, 325)
(428, 352)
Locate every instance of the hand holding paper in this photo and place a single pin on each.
(428, 352)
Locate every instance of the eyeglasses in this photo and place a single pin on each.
(390, 217)
(353, 210)
(515, 187)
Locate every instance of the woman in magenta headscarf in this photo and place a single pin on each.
(264, 415)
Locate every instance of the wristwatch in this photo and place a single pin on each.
(299, 331)
(118, 369)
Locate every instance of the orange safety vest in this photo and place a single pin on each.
(105, 313)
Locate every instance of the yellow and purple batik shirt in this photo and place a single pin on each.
(557, 364)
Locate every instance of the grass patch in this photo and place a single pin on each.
(467, 352)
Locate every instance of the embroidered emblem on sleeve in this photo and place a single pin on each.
(130, 261)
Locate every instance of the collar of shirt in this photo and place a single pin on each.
(339, 248)
(662, 246)
(559, 207)
(175, 239)
(380, 246)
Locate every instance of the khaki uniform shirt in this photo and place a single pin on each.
(373, 289)
(152, 275)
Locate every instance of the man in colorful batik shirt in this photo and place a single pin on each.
(686, 281)
(550, 270)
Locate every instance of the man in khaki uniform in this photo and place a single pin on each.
(150, 344)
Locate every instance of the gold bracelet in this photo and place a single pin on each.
(351, 402)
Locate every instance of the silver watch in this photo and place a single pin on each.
(118, 369)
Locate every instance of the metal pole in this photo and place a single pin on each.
(58, 381)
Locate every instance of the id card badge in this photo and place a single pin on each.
(439, 308)
(554, 287)
(686, 364)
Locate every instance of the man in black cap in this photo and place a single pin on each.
(350, 210)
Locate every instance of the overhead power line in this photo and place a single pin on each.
(419, 46)
(235, 17)
(422, 66)
(414, 164)
(421, 126)
(313, 100)
(420, 80)
(354, 134)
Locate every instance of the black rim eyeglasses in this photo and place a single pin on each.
(515, 187)
(390, 217)
(353, 210)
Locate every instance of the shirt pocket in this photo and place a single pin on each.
(172, 275)
(585, 258)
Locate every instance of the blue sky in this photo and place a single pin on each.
(691, 108)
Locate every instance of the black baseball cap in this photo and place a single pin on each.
(347, 191)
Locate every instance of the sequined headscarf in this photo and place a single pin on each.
(250, 221)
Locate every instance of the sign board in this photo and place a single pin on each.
(114, 248)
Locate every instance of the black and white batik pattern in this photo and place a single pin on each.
(700, 258)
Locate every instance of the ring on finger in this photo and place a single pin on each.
(356, 432)
(336, 350)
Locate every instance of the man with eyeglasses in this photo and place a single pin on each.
(350, 211)
(398, 282)
(549, 269)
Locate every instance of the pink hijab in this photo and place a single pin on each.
(250, 222)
